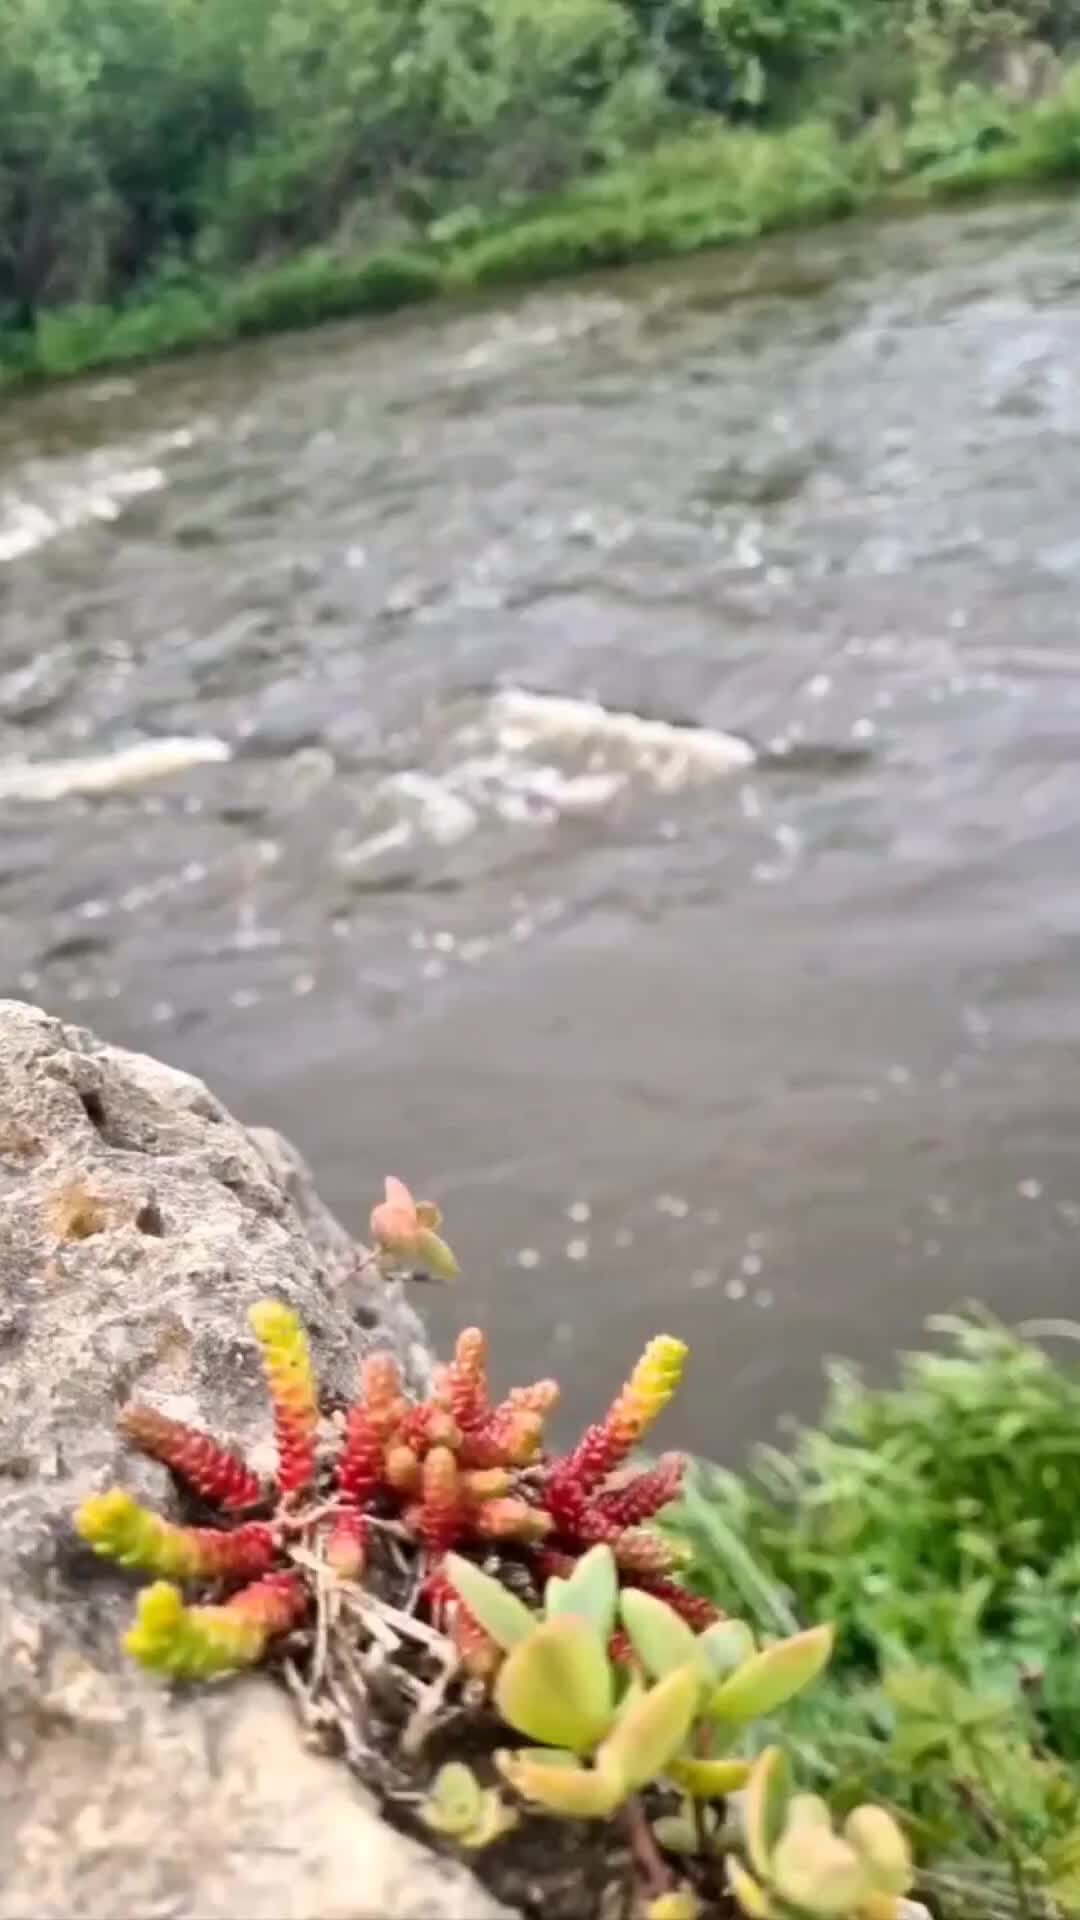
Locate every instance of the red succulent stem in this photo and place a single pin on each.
(698, 1612)
(442, 1505)
(243, 1553)
(464, 1381)
(220, 1476)
(643, 1495)
(360, 1463)
(276, 1603)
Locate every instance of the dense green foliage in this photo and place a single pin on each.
(346, 157)
(936, 1523)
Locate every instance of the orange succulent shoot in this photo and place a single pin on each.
(406, 1233)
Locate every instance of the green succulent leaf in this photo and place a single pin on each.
(455, 1801)
(768, 1796)
(494, 1820)
(631, 1690)
(817, 1872)
(591, 1591)
(678, 1903)
(556, 1687)
(434, 1256)
(773, 1676)
(709, 1779)
(501, 1614)
(752, 1898)
(808, 1810)
(660, 1639)
(578, 1793)
(882, 1847)
(649, 1734)
(549, 1756)
(725, 1646)
(676, 1832)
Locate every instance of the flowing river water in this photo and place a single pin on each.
(779, 1059)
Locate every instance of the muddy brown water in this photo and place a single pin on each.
(781, 1063)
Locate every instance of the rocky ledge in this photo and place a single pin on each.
(138, 1221)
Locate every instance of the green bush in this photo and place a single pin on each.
(317, 287)
(935, 1521)
(347, 155)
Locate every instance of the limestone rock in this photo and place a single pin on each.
(138, 1221)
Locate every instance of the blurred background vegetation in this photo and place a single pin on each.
(154, 150)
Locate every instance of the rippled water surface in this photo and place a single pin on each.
(780, 1061)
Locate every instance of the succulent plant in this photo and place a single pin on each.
(406, 1234)
(460, 1809)
(803, 1869)
(456, 1469)
(564, 1685)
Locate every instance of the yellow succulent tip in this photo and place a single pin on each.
(190, 1643)
(100, 1514)
(285, 1350)
(653, 1382)
(276, 1326)
(159, 1615)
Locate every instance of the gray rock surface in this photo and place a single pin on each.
(138, 1221)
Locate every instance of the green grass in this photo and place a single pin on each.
(938, 1524)
(710, 188)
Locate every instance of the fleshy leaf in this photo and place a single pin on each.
(660, 1639)
(677, 1832)
(434, 1256)
(454, 1803)
(630, 1690)
(649, 1734)
(709, 1779)
(494, 1819)
(556, 1686)
(753, 1899)
(501, 1614)
(725, 1646)
(579, 1793)
(817, 1872)
(879, 1842)
(679, 1903)
(591, 1591)
(769, 1678)
(768, 1795)
(549, 1756)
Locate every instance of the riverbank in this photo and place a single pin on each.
(934, 1522)
(712, 187)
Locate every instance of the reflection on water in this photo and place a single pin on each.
(780, 1055)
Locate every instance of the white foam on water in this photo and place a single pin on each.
(432, 806)
(135, 766)
(508, 768)
(668, 756)
(507, 772)
(544, 325)
(58, 497)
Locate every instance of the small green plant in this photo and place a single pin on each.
(802, 1867)
(460, 1809)
(620, 1697)
(620, 1679)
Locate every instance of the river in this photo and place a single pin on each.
(780, 1061)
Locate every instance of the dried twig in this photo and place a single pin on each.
(429, 1709)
